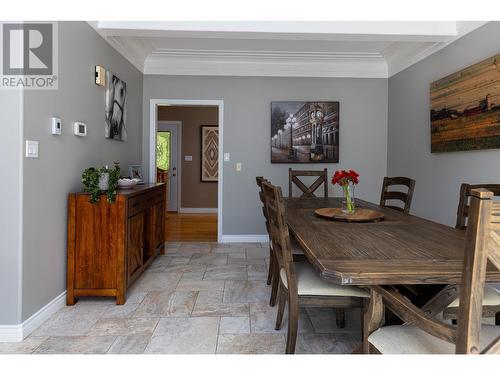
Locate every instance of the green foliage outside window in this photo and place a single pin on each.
(163, 150)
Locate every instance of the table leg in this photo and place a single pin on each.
(374, 312)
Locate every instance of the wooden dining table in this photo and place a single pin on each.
(401, 249)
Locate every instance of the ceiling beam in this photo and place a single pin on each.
(411, 31)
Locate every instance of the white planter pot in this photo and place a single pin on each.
(104, 181)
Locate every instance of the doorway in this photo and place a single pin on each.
(168, 166)
(176, 142)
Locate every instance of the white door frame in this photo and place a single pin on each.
(178, 125)
(153, 120)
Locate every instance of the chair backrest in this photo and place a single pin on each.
(307, 191)
(463, 202)
(161, 175)
(397, 195)
(280, 237)
(260, 180)
(482, 244)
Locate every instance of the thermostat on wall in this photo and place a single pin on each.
(80, 129)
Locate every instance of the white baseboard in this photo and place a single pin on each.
(245, 238)
(11, 333)
(17, 332)
(189, 210)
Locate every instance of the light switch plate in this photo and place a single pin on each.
(188, 158)
(31, 149)
(226, 156)
(238, 167)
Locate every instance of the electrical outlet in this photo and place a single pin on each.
(238, 167)
(227, 156)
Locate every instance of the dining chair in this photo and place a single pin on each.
(273, 271)
(300, 284)
(307, 191)
(397, 195)
(425, 334)
(464, 198)
(491, 300)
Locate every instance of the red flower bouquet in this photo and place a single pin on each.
(346, 180)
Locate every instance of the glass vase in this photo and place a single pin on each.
(348, 204)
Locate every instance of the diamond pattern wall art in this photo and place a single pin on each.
(209, 153)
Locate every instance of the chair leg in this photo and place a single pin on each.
(271, 266)
(293, 323)
(281, 308)
(275, 282)
(340, 318)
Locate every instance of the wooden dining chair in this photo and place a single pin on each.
(406, 198)
(423, 333)
(464, 198)
(491, 300)
(300, 284)
(307, 191)
(273, 272)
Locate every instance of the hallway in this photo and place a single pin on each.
(191, 227)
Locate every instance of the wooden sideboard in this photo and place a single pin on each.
(110, 245)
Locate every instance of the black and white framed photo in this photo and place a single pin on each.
(135, 171)
(305, 132)
(116, 108)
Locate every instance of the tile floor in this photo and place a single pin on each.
(198, 298)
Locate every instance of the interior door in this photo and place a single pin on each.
(174, 163)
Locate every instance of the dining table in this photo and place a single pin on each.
(401, 249)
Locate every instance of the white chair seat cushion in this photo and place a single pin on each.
(491, 296)
(412, 340)
(309, 283)
(296, 248)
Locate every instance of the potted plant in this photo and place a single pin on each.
(98, 181)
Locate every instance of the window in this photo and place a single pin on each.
(163, 150)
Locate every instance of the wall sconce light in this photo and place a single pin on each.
(100, 76)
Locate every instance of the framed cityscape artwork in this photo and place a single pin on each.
(465, 108)
(304, 132)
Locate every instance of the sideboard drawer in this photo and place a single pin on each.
(136, 205)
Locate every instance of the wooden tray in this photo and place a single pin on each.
(359, 215)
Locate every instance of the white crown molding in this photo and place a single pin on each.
(241, 238)
(410, 42)
(18, 332)
(399, 60)
(265, 63)
(133, 57)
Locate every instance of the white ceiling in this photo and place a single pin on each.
(285, 49)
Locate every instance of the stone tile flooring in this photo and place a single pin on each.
(197, 298)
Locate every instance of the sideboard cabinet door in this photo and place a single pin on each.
(135, 244)
(159, 224)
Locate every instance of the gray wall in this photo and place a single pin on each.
(11, 202)
(438, 175)
(247, 101)
(57, 171)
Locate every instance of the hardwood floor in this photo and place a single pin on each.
(191, 227)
